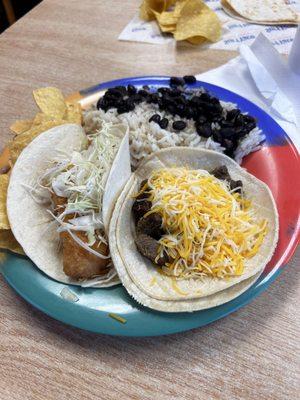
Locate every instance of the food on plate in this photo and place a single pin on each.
(179, 115)
(266, 12)
(54, 111)
(191, 230)
(198, 224)
(60, 197)
(190, 20)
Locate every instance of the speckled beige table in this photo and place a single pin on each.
(252, 354)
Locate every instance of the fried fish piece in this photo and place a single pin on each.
(79, 263)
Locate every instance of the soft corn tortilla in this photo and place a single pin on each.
(266, 12)
(166, 305)
(30, 222)
(143, 273)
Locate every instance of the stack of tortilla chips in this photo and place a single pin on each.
(190, 20)
(54, 111)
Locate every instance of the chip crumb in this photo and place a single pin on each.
(68, 295)
(117, 318)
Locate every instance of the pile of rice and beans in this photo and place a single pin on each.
(176, 115)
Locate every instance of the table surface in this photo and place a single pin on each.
(251, 354)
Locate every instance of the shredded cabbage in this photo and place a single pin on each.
(81, 179)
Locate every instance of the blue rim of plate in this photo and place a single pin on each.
(92, 311)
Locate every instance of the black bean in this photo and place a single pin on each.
(136, 98)
(171, 108)
(212, 109)
(204, 130)
(201, 119)
(217, 118)
(180, 110)
(179, 125)
(241, 131)
(188, 112)
(205, 97)
(217, 136)
(161, 104)
(175, 81)
(152, 98)
(101, 103)
(250, 126)
(163, 90)
(181, 101)
(113, 92)
(248, 119)
(196, 101)
(228, 144)
(239, 120)
(131, 89)
(121, 89)
(155, 118)
(189, 79)
(129, 104)
(124, 107)
(227, 132)
(175, 92)
(143, 93)
(232, 114)
(164, 123)
(214, 100)
(226, 124)
(122, 110)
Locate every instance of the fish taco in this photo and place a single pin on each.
(60, 197)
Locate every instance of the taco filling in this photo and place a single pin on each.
(76, 186)
(195, 223)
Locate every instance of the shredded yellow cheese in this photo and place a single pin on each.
(210, 230)
(117, 318)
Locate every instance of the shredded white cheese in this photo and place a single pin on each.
(210, 230)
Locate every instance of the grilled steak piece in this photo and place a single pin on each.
(149, 248)
(223, 174)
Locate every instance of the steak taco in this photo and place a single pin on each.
(191, 230)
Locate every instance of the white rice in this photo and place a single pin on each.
(147, 137)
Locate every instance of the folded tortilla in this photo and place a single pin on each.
(32, 225)
(264, 12)
(142, 279)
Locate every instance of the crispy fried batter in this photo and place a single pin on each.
(59, 203)
(78, 263)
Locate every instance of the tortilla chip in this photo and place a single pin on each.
(74, 113)
(17, 145)
(21, 126)
(166, 18)
(149, 7)
(8, 242)
(197, 22)
(51, 101)
(4, 223)
(168, 28)
(42, 118)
